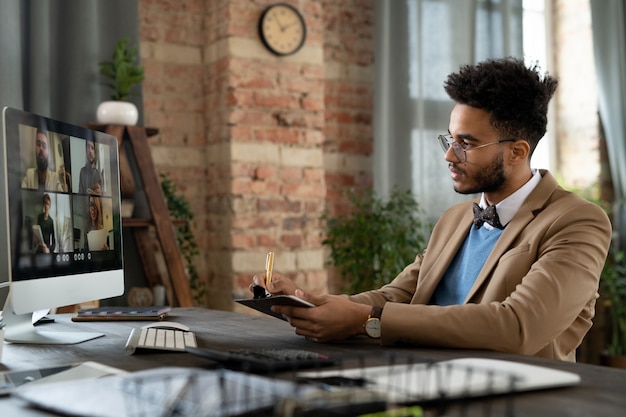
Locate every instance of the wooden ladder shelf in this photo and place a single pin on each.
(137, 137)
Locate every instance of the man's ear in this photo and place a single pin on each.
(520, 150)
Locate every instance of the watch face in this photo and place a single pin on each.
(282, 29)
(372, 328)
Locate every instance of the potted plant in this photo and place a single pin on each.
(613, 292)
(375, 240)
(123, 74)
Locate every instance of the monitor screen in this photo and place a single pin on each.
(59, 215)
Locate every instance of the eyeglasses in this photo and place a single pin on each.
(460, 148)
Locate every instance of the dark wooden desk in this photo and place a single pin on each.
(602, 391)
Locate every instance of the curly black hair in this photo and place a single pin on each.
(515, 96)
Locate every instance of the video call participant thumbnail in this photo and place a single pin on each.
(41, 177)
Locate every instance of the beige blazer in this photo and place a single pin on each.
(31, 180)
(535, 295)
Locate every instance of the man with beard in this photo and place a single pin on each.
(514, 271)
(42, 178)
(89, 178)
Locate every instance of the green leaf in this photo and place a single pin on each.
(373, 242)
(613, 291)
(122, 71)
(179, 208)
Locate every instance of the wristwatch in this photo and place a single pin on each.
(372, 325)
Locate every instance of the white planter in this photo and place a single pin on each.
(117, 113)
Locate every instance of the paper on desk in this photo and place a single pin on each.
(11, 381)
(39, 314)
(85, 370)
(162, 391)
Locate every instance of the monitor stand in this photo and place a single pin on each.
(18, 328)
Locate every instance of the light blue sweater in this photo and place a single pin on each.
(464, 269)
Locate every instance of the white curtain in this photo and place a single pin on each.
(609, 46)
(418, 43)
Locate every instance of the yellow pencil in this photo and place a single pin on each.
(269, 266)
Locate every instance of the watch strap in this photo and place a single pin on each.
(376, 313)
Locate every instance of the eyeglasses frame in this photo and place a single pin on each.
(447, 142)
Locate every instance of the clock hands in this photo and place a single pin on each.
(283, 27)
(276, 16)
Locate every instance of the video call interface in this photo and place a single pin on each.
(68, 203)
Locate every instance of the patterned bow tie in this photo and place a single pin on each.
(487, 215)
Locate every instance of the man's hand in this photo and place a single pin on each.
(280, 284)
(334, 318)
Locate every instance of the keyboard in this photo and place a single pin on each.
(258, 360)
(161, 336)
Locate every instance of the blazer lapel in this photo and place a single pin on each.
(527, 212)
(441, 254)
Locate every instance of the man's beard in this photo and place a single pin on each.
(489, 179)
(42, 163)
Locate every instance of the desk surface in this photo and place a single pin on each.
(601, 392)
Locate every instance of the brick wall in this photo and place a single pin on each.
(260, 145)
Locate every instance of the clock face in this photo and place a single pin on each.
(282, 29)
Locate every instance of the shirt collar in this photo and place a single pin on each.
(507, 208)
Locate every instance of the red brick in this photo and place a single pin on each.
(314, 175)
(265, 172)
(280, 101)
(280, 135)
(291, 174)
(312, 104)
(291, 241)
(265, 240)
(243, 241)
(304, 190)
(240, 98)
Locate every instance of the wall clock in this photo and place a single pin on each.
(282, 29)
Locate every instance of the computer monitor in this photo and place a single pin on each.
(60, 222)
